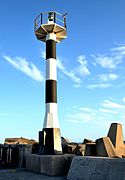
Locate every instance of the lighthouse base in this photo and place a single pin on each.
(50, 141)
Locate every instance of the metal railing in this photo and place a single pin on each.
(43, 18)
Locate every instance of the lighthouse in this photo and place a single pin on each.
(50, 27)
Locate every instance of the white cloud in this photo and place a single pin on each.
(81, 114)
(77, 85)
(73, 74)
(86, 109)
(112, 60)
(72, 121)
(80, 117)
(27, 68)
(123, 99)
(101, 86)
(104, 113)
(43, 54)
(119, 50)
(60, 65)
(112, 76)
(111, 104)
(108, 62)
(70, 74)
(82, 69)
(85, 115)
(107, 111)
(108, 77)
(6, 115)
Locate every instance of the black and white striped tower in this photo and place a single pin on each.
(50, 28)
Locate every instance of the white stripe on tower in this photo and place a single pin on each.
(51, 72)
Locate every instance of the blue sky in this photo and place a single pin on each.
(91, 68)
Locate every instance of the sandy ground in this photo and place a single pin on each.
(20, 174)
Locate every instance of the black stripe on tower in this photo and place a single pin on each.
(51, 91)
(50, 49)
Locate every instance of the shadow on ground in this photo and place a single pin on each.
(20, 174)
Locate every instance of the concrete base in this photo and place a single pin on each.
(48, 147)
(96, 168)
(51, 165)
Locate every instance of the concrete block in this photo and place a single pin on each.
(90, 149)
(51, 165)
(105, 148)
(96, 168)
(70, 148)
(116, 135)
(14, 155)
(65, 140)
(65, 143)
(24, 150)
(85, 141)
(75, 148)
(81, 150)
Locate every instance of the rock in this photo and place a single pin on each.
(20, 140)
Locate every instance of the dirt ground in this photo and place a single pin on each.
(21, 174)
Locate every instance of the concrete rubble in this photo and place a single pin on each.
(110, 146)
(90, 159)
(103, 160)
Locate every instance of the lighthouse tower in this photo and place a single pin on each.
(50, 28)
